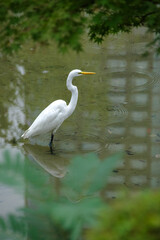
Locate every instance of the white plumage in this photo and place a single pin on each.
(51, 118)
(48, 120)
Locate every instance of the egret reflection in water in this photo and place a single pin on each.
(54, 165)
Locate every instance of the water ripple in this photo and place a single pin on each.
(125, 81)
(118, 111)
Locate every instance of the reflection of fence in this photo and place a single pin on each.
(130, 111)
(125, 117)
(133, 87)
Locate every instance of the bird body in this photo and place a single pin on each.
(51, 118)
(48, 120)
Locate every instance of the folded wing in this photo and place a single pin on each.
(49, 120)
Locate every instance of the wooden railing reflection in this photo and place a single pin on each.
(130, 110)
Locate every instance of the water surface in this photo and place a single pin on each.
(118, 110)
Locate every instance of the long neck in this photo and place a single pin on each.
(74, 98)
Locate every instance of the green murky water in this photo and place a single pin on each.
(118, 110)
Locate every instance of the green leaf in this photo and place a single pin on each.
(73, 216)
(103, 172)
(87, 175)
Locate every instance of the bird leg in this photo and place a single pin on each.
(50, 143)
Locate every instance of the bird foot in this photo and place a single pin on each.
(50, 144)
(51, 149)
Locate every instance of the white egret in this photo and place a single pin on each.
(51, 118)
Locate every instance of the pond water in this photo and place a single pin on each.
(118, 110)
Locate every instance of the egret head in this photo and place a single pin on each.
(77, 72)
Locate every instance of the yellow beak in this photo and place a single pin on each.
(87, 73)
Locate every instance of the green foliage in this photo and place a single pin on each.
(74, 216)
(87, 175)
(15, 171)
(65, 21)
(133, 218)
(13, 228)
